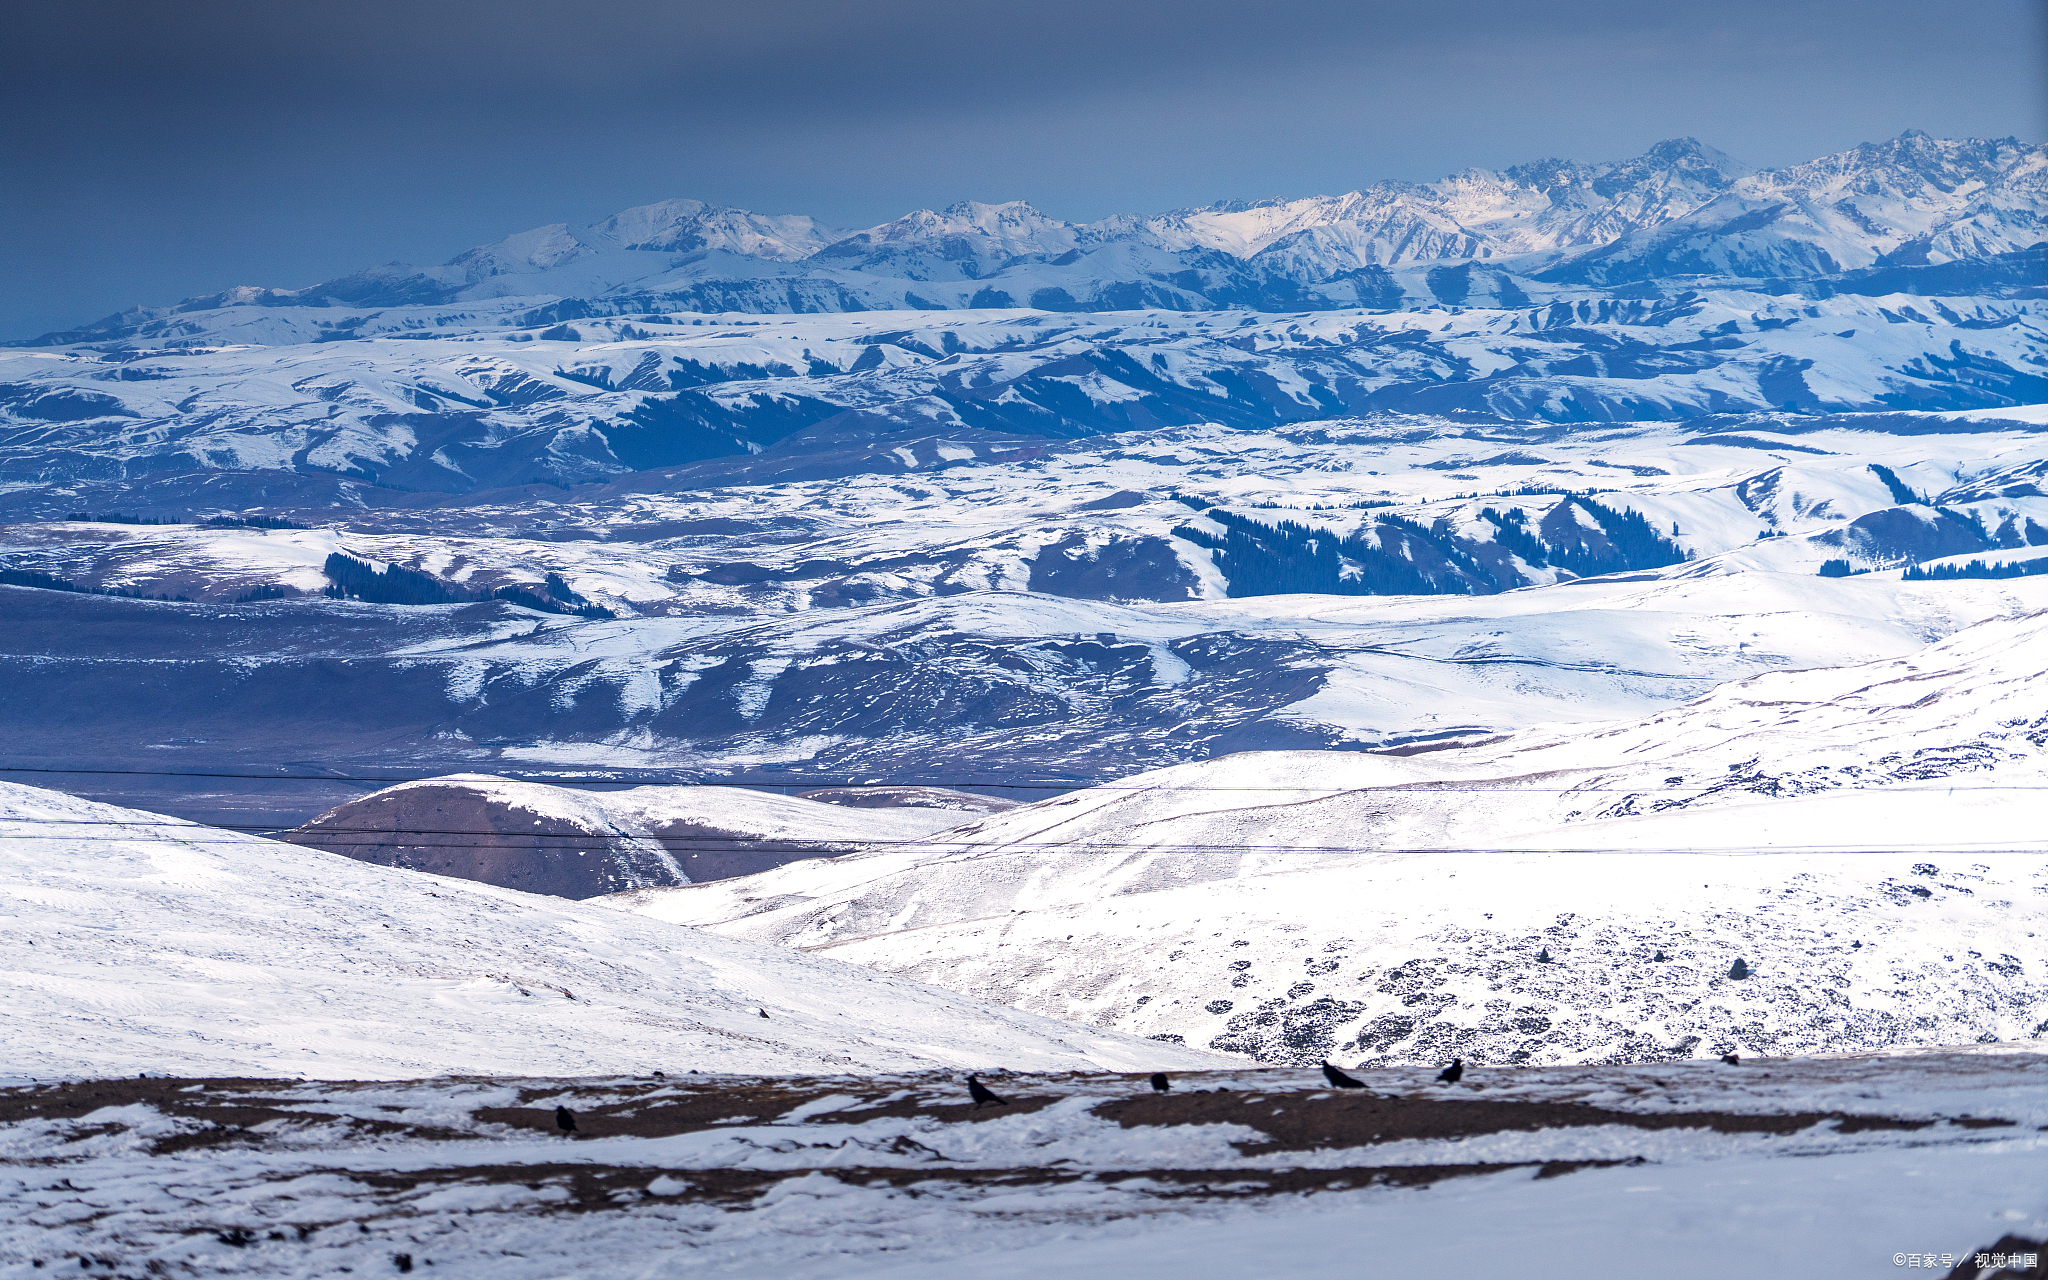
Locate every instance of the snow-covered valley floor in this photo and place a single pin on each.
(1847, 1166)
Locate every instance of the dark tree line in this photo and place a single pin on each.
(352, 579)
(1405, 557)
(1977, 569)
(51, 582)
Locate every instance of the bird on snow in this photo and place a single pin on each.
(1543, 956)
(1339, 1079)
(565, 1120)
(1731, 1059)
(1660, 957)
(1453, 1073)
(762, 1012)
(1159, 1084)
(983, 1096)
(659, 1076)
(1739, 970)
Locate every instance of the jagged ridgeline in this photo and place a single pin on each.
(1394, 555)
(353, 579)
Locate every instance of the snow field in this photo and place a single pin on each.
(140, 943)
(1861, 838)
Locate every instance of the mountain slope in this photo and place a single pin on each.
(1292, 905)
(140, 943)
(579, 844)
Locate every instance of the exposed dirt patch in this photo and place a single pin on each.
(661, 1110)
(1305, 1122)
(231, 1109)
(577, 1188)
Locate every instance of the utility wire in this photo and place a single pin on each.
(195, 836)
(1420, 786)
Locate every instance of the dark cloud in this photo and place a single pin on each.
(154, 151)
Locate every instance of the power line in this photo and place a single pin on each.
(1419, 786)
(629, 780)
(1013, 848)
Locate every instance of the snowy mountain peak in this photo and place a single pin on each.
(1542, 206)
(676, 226)
(977, 237)
(1912, 200)
(688, 225)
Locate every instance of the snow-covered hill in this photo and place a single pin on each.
(395, 403)
(140, 943)
(1847, 834)
(1078, 613)
(579, 844)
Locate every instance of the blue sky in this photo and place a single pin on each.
(153, 152)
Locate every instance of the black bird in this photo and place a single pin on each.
(1543, 956)
(1159, 1084)
(1453, 1073)
(1339, 1079)
(1731, 1059)
(1660, 957)
(659, 1076)
(565, 1120)
(983, 1096)
(764, 1013)
(1739, 970)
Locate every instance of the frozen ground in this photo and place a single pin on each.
(1831, 1165)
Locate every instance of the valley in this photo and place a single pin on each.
(597, 748)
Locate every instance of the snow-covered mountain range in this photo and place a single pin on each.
(139, 943)
(377, 420)
(1902, 275)
(1681, 209)
(1835, 859)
